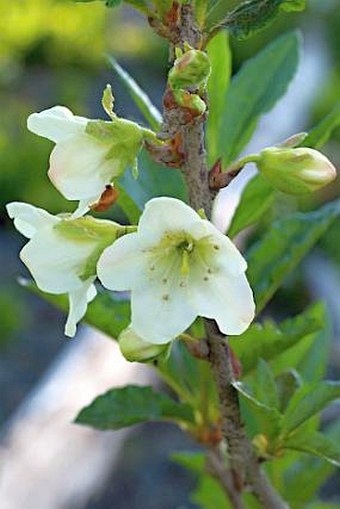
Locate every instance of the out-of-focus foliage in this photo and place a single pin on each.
(53, 52)
(59, 30)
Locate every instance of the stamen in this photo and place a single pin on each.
(185, 263)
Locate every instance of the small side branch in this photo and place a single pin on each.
(244, 463)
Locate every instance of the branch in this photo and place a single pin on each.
(188, 132)
(244, 463)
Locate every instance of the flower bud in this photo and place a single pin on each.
(190, 70)
(135, 349)
(295, 170)
(192, 102)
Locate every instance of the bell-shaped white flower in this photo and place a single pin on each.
(178, 266)
(62, 254)
(89, 154)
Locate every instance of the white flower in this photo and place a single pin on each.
(178, 266)
(62, 254)
(88, 154)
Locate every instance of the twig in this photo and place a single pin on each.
(216, 468)
(244, 462)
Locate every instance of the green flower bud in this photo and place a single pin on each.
(135, 349)
(295, 170)
(190, 70)
(191, 101)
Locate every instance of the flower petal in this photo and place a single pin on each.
(229, 300)
(160, 314)
(122, 265)
(165, 214)
(55, 262)
(225, 254)
(29, 219)
(79, 168)
(159, 302)
(56, 124)
(78, 300)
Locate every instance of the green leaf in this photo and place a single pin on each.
(208, 493)
(220, 58)
(287, 383)
(269, 340)
(313, 364)
(316, 444)
(322, 132)
(257, 198)
(310, 355)
(153, 180)
(192, 380)
(283, 247)
(128, 205)
(140, 98)
(133, 404)
(293, 5)
(254, 91)
(201, 11)
(254, 15)
(265, 389)
(308, 401)
(105, 313)
(141, 5)
(267, 419)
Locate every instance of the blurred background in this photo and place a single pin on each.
(53, 52)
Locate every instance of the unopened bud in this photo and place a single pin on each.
(295, 170)
(261, 444)
(135, 349)
(192, 102)
(190, 70)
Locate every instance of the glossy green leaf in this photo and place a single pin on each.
(283, 247)
(251, 16)
(105, 313)
(254, 91)
(308, 401)
(140, 98)
(264, 419)
(256, 200)
(133, 404)
(316, 444)
(220, 58)
(269, 340)
(322, 132)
